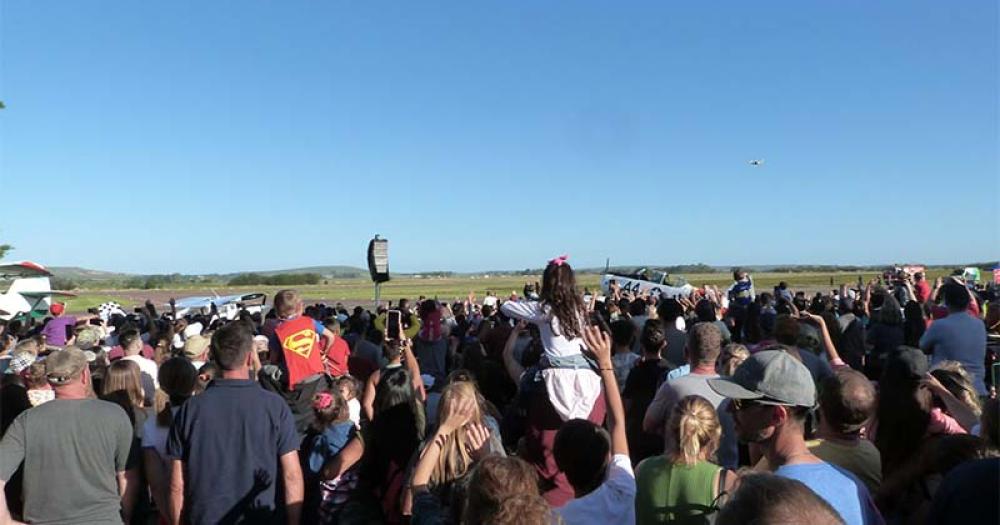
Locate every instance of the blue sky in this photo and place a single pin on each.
(220, 136)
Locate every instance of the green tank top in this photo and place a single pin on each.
(678, 494)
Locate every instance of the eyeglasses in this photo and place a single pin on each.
(743, 404)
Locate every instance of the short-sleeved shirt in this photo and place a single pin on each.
(696, 384)
(55, 330)
(861, 459)
(840, 489)
(230, 438)
(959, 337)
(612, 502)
(155, 437)
(71, 451)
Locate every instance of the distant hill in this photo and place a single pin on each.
(76, 273)
(85, 275)
(341, 272)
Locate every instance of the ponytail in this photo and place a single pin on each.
(694, 430)
(689, 444)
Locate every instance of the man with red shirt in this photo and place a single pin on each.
(921, 288)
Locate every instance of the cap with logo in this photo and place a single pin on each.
(19, 362)
(63, 366)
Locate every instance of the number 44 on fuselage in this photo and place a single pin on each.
(653, 282)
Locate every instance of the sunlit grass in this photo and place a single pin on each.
(453, 288)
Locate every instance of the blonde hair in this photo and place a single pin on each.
(455, 460)
(694, 431)
(732, 357)
(30, 345)
(286, 303)
(960, 385)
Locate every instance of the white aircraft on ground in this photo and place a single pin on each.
(227, 306)
(29, 293)
(654, 282)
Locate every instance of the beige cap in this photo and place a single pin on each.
(196, 345)
(64, 366)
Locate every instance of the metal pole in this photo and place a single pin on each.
(378, 294)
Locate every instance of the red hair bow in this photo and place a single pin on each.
(323, 401)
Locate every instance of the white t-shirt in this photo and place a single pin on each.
(148, 371)
(571, 392)
(612, 502)
(490, 301)
(354, 407)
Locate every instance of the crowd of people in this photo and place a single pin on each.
(866, 405)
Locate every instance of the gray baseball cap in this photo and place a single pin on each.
(770, 377)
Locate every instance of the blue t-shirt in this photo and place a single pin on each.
(327, 445)
(959, 337)
(230, 438)
(839, 488)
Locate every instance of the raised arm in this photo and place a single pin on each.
(368, 397)
(600, 344)
(956, 408)
(523, 310)
(414, 368)
(831, 350)
(514, 369)
(457, 416)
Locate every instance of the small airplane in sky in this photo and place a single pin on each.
(757, 162)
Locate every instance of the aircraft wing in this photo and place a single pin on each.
(195, 302)
(49, 293)
(207, 300)
(23, 269)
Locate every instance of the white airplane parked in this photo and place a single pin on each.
(29, 293)
(227, 306)
(654, 282)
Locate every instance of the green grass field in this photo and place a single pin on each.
(360, 291)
